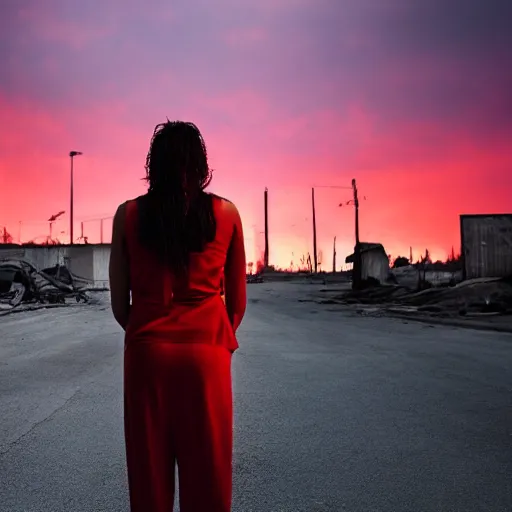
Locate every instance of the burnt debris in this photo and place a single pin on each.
(22, 283)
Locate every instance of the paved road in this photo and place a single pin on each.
(333, 412)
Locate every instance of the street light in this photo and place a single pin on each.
(51, 220)
(72, 154)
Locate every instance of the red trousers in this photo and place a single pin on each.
(178, 409)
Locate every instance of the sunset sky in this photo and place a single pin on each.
(411, 98)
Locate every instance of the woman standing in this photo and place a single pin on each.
(170, 249)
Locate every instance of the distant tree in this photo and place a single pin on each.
(5, 237)
(422, 265)
(250, 265)
(453, 257)
(259, 267)
(401, 261)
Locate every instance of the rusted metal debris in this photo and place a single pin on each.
(22, 283)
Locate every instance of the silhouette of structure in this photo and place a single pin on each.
(334, 256)
(72, 154)
(6, 236)
(315, 255)
(356, 272)
(266, 254)
(52, 220)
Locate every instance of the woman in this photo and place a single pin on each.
(170, 248)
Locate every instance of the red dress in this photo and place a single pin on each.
(177, 376)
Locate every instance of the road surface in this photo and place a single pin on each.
(333, 412)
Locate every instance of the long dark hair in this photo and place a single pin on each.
(176, 215)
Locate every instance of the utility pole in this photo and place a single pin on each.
(101, 231)
(266, 256)
(72, 154)
(410, 256)
(334, 257)
(356, 273)
(315, 255)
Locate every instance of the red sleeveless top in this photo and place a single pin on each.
(164, 309)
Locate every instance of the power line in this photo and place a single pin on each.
(332, 186)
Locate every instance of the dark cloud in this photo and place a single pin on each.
(451, 28)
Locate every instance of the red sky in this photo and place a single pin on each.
(413, 101)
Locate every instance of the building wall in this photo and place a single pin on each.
(486, 245)
(375, 264)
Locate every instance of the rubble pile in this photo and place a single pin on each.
(476, 296)
(254, 278)
(22, 283)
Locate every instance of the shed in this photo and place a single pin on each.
(374, 262)
(486, 242)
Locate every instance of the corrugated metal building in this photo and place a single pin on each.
(486, 242)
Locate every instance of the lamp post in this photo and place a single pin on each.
(72, 154)
(51, 220)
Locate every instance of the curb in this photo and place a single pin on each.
(478, 326)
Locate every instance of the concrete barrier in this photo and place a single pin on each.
(89, 262)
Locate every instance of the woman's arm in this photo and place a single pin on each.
(119, 270)
(235, 274)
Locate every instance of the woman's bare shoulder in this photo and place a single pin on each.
(121, 209)
(226, 204)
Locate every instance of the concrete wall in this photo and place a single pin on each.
(40, 257)
(89, 262)
(101, 257)
(80, 261)
(486, 245)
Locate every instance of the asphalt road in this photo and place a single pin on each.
(333, 412)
